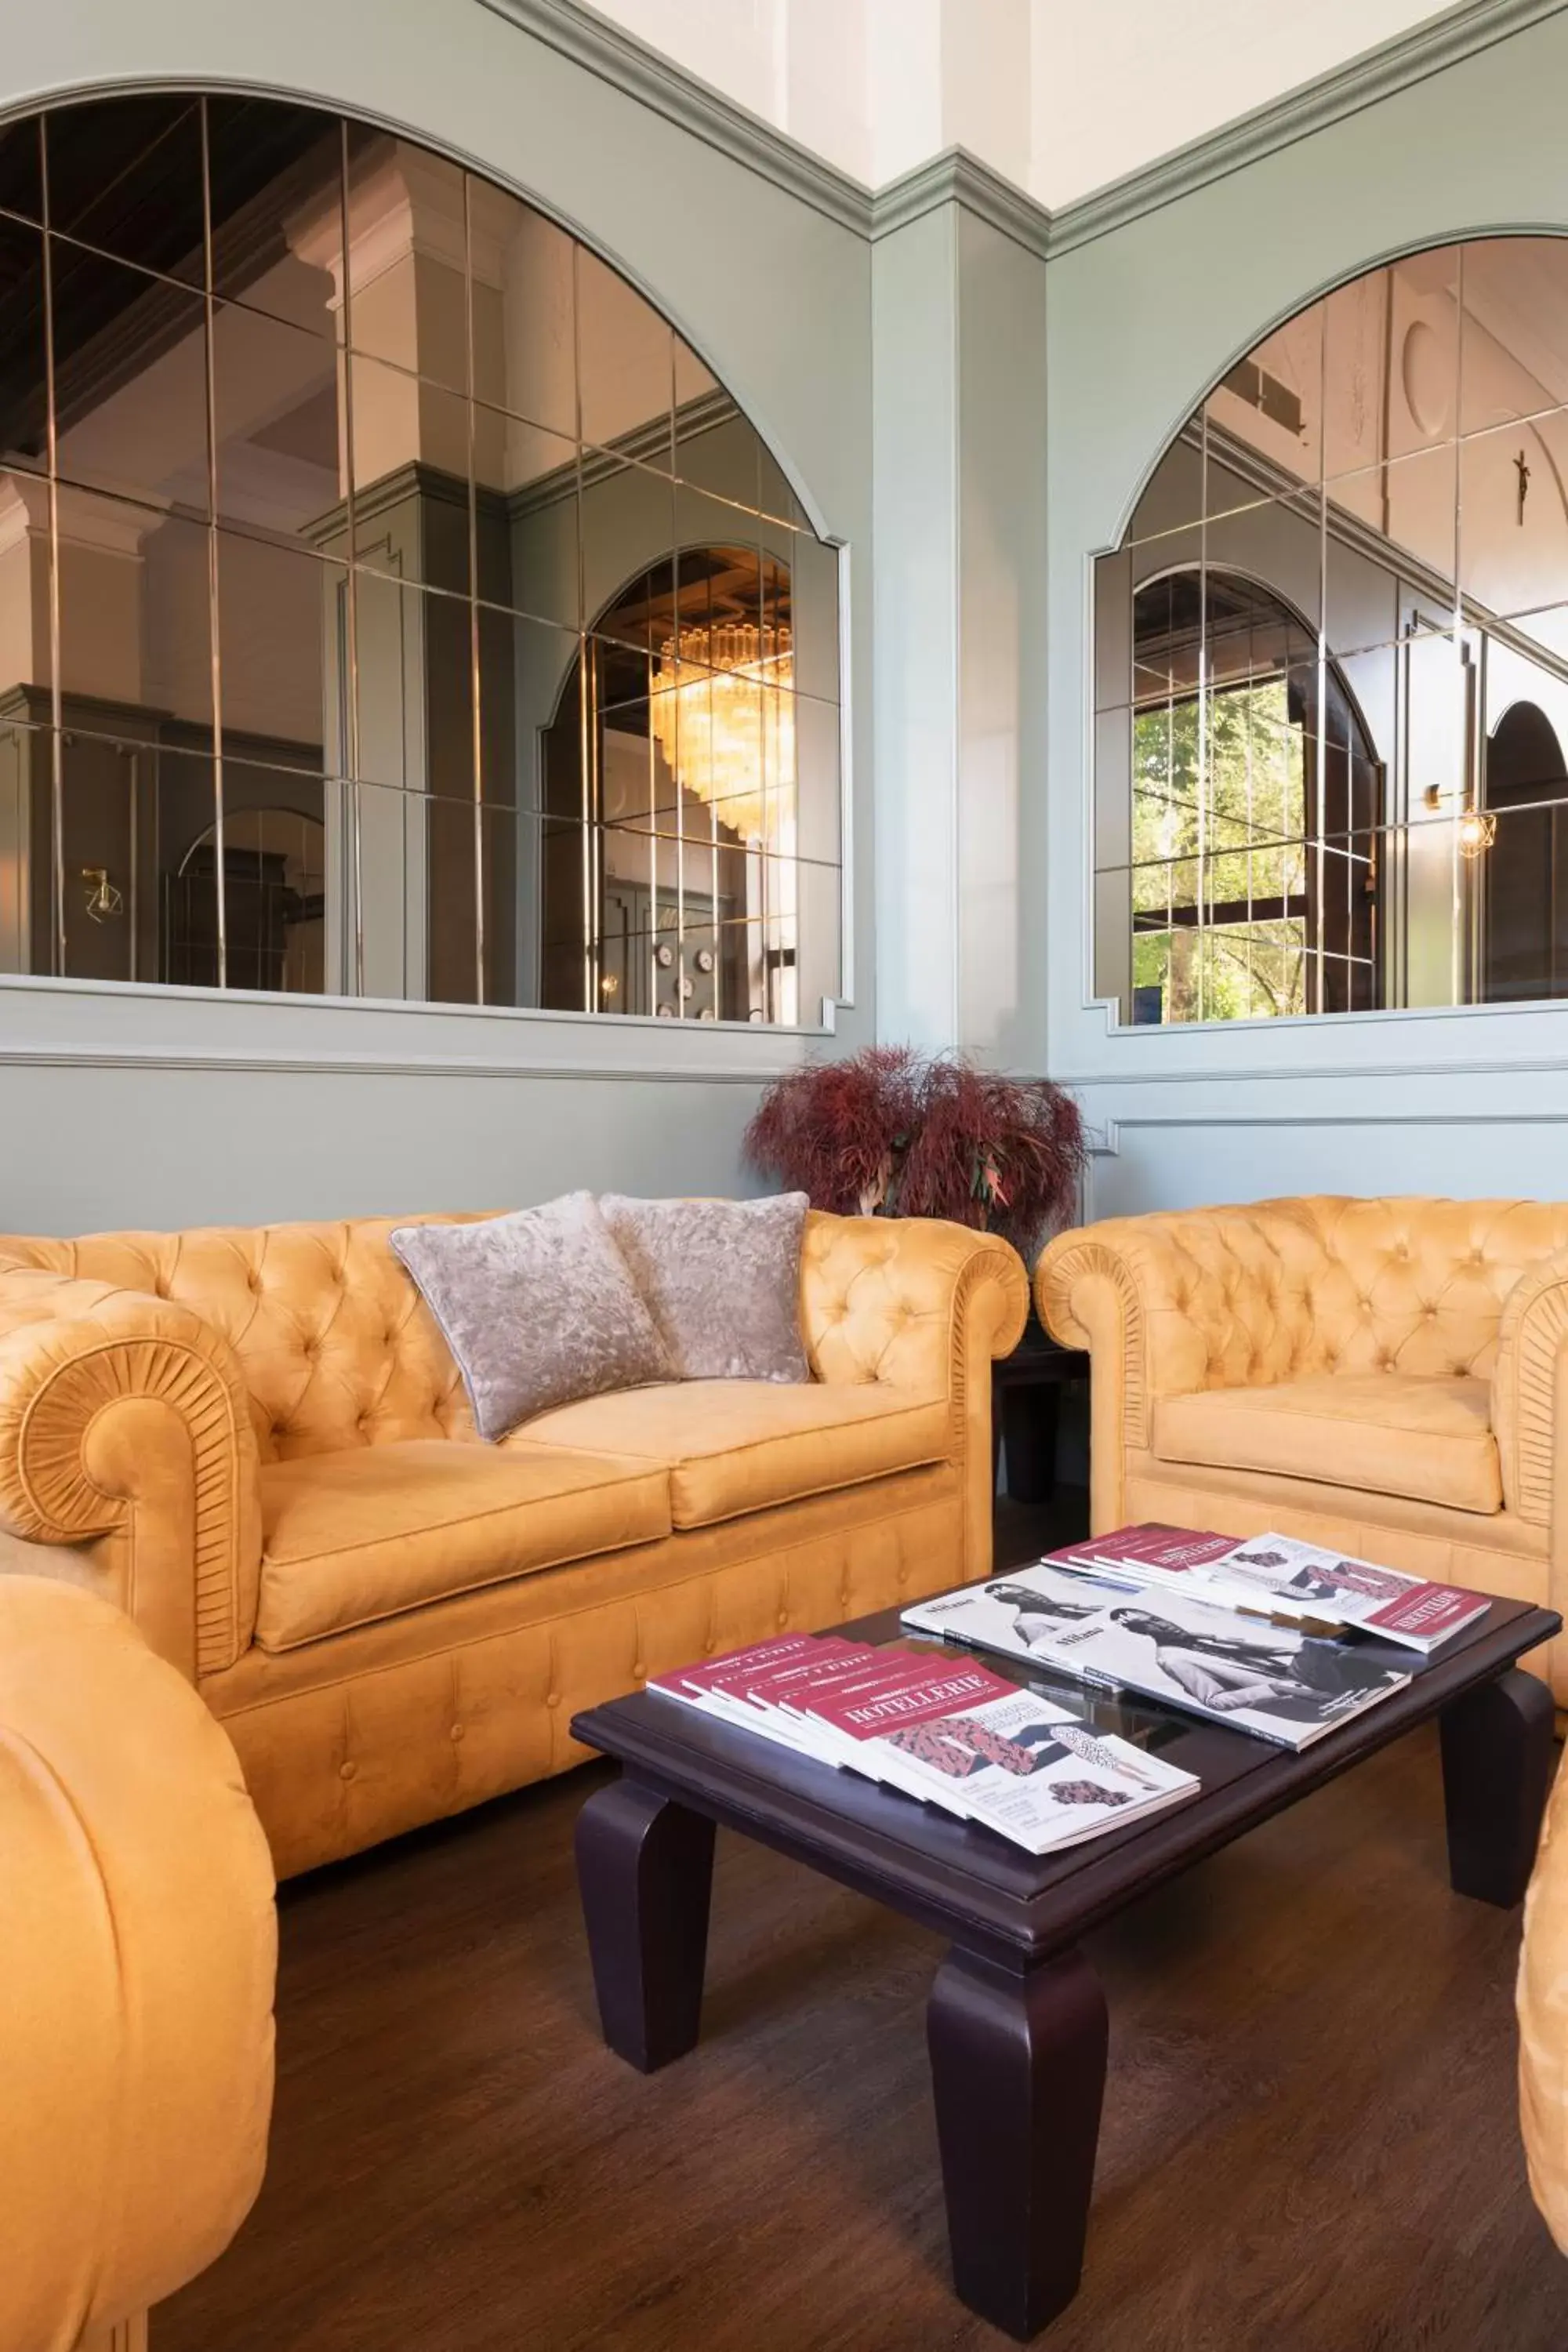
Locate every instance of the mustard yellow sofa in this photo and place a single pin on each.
(258, 1443)
(138, 1949)
(1390, 1376)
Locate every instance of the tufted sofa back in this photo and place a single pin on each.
(334, 1342)
(337, 1348)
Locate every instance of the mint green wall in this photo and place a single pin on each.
(172, 1107)
(1143, 320)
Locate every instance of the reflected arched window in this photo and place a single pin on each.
(678, 830)
(1526, 944)
(360, 482)
(1255, 809)
(274, 875)
(1349, 566)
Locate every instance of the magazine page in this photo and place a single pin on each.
(1031, 1770)
(1287, 1686)
(1306, 1579)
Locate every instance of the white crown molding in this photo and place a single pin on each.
(579, 33)
(1395, 65)
(592, 41)
(958, 177)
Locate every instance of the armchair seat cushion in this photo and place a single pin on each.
(733, 1446)
(1383, 1432)
(351, 1536)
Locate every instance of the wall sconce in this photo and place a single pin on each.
(102, 898)
(1477, 827)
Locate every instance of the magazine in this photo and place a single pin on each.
(1283, 1683)
(949, 1732)
(1280, 1576)
(1014, 1761)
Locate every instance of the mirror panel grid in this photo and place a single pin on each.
(395, 606)
(1331, 663)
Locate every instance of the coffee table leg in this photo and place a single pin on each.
(1018, 2072)
(645, 1868)
(1496, 1768)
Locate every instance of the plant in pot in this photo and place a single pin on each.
(895, 1133)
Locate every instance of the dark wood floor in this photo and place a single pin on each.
(1311, 2142)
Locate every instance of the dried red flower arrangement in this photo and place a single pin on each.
(895, 1133)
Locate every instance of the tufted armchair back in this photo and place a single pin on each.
(1280, 1290)
(1417, 1285)
(334, 1343)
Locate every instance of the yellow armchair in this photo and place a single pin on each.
(1390, 1376)
(137, 1958)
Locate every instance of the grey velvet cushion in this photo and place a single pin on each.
(538, 1309)
(721, 1279)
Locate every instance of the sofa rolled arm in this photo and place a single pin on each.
(1529, 1392)
(125, 1433)
(924, 1305)
(904, 1298)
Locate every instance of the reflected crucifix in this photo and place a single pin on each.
(1523, 470)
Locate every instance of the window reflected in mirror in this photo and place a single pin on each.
(395, 606)
(1331, 663)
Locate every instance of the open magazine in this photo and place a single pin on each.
(1281, 1576)
(1281, 1681)
(950, 1732)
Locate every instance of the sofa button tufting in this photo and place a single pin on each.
(347, 1772)
(456, 1731)
(783, 1616)
(638, 1670)
(551, 1698)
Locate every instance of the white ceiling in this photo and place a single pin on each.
(1060, 95)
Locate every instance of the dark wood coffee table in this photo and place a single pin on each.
(1017, 2021)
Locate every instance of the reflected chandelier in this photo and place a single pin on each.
(725, 728)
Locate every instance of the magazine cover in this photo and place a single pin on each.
(1383, 1601)
(1286, 1686)
(1275, 1572)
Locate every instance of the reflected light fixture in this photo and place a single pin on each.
(1476, 827)
(1478, 831)
(725, 725)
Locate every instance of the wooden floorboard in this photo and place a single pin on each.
(1310, 2139)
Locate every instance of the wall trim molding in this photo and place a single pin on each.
(591, 40)
(1395, 65)
(1104, 1141)
(956, 177)
(1337, 1074)
(276, 1061)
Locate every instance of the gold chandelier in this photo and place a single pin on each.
(725, 726)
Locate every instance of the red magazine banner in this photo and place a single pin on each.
(1429, 1613)
(1150, 1545)
(921, 1699)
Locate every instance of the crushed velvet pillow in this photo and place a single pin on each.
(537, 1308)
(721, 1279)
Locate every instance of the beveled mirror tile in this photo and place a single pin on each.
(125, 175)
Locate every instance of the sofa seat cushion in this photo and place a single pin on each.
(744, 1445)
(351, 1536)
(1384, 1432)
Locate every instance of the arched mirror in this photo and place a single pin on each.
(1331, 662)
(410, 570)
